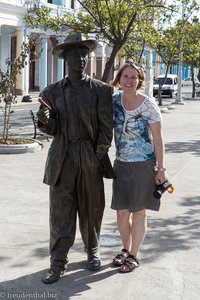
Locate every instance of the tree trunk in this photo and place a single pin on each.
(6, 121)
(110, 62)
(193, 82)
(160, 95)
(160, 86)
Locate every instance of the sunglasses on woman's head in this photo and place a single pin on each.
(135, 64)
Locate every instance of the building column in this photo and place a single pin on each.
(43, 64)
(60, 67)
(5, 43)
(118, 63)
(26, 68)
(20, 77)
(93, 65)
(104, 58)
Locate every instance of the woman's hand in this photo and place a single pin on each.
(161, 176)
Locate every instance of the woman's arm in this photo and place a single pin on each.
(157, 134)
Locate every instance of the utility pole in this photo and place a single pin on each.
(179, 99)
(149, 74)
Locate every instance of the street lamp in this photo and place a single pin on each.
(149, 74)
(179, 99)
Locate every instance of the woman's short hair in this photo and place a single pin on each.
(138, 67)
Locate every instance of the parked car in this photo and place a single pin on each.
(169, 87)
(188, 82)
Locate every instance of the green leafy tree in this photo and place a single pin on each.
(148, 34)
(164, 33)
(191, 48)
(111, 21)
(167, 46)
(8, 80)
(168, 41)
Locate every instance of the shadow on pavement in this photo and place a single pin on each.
(172, 234)
(168, 235)
(75, 281)
(192, 147)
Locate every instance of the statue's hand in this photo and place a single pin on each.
(43, 115)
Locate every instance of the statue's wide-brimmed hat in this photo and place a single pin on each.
(71, 42)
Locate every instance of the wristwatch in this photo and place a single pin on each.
(161, 169)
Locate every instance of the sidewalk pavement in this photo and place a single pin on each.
(170, 267)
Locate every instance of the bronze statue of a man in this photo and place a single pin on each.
(79, 117)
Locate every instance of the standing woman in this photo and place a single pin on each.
(139, 148)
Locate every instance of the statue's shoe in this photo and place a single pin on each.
(52, 276)
(94, 262)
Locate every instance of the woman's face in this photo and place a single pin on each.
(129, 80)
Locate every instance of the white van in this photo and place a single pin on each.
(169, 88)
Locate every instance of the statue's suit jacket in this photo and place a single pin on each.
(96, 110)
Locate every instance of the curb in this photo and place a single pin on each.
(19, 148)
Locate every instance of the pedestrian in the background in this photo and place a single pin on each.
(79, 117)
(139, 161)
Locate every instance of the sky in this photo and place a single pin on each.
(196, 13)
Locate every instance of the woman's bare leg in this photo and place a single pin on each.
(138, 231)
(139, 228)
(124, 222)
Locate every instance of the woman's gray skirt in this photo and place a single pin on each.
(134, 186)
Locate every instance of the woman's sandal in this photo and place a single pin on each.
(130, 264)
(120, 258)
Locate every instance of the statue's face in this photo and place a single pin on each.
(77, 58)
